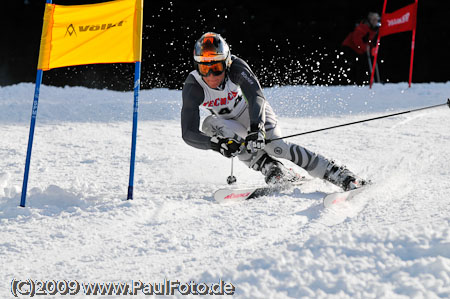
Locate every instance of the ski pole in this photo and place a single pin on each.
(231, 179)
(360, 121)
(377, 73)
(369, 60)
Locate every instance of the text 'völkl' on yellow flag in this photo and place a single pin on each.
(109, 32)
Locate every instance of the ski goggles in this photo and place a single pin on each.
(206, 68)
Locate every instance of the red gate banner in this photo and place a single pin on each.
(400, 20)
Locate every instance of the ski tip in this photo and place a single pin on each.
(334, 199)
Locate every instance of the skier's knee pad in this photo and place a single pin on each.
(278, 149)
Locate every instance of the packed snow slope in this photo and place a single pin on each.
(393, 241)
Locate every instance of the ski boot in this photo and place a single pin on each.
(342, 177)
(276, 174)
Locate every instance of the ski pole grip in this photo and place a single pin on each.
(448, 103)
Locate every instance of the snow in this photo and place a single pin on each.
(392, 241)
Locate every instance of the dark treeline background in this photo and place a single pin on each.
(284, 42)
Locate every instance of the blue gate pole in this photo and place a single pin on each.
(30, 137)
(137, 83)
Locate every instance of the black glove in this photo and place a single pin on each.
(226, 146)
(255, 139)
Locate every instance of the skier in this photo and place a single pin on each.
(359, 43)
(242, 120)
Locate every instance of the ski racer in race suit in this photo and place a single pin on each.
(357, 44)
(242, 119)
(363, 37)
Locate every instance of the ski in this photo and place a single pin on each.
(336, 198)
(241, 194)
(228, 194)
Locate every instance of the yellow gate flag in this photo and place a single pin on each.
(109, 32)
